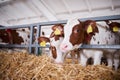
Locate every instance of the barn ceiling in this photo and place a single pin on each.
(16, 12)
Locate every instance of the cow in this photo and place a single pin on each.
(77, 33)
(16, 36)
(55, 40)
(9, 36)
(114, 27)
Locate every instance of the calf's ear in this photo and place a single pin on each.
(57, 26)
(90, 26)
(80, 21)
(52, 35)
(108, 22)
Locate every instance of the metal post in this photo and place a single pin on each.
(31, 39)
(38, 34)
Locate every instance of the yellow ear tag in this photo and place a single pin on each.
(43, 44)
(115, 29)
(57, 32)
(89, 29)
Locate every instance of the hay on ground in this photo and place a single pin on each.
(23, 66)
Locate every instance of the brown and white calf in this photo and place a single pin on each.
(55, 40)
(114, 27)
(16, 36)
(77, 33)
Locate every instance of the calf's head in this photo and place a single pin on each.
(113, 26)
(43, 41)
(57, 31)
(76, 33)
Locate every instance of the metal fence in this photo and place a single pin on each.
(32, 45)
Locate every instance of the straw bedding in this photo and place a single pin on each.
(23, 66)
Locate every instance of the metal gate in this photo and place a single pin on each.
(42, 24)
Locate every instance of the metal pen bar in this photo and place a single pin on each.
(83, 46)
(101, 18)
(14, 27)
(37, 36)
(91, 46)
(53, 22)
(101, 46)
(13, 45)
(31, 38)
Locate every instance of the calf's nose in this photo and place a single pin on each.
(63, 47)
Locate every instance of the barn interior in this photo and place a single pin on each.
(24, 58)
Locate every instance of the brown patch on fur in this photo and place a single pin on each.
(40, 39)
(43, 33)
(23, 30)
(77, 35)
(16, 38)
(28, 36)
(4, 36)
(54, 53)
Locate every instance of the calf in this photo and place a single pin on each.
(10, 36)
(43, 42)
(15, 36)
(77, 33)
(55, 39)
(114, 27)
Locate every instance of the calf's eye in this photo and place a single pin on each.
(76, 31)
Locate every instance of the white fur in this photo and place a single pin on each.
(88, 53)
(56, 44)
(116, 59)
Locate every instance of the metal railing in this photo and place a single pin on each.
(42, 24)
